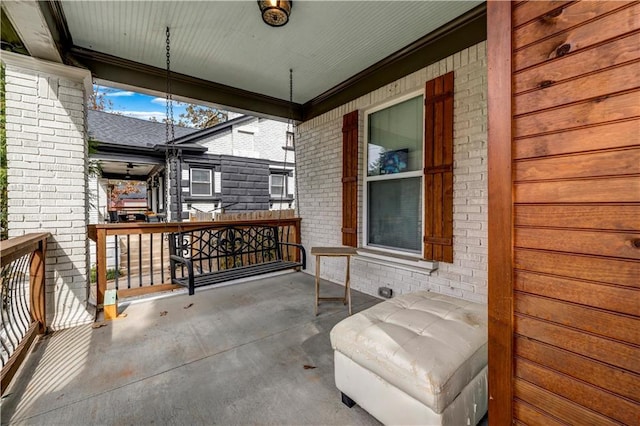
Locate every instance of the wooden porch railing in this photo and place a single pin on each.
(145, 258)
(22, 289)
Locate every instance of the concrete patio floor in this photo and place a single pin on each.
(229, 355)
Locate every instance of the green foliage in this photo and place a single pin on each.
(94, 169)
(111, 274)
(4, 223)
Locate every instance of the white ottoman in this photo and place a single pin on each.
(419, 358)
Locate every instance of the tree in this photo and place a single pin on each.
(201, 117)
(120, 188)
(98, 100)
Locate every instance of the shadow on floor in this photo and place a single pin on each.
(229, 355)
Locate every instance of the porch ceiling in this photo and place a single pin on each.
(226, 42)
(117, 168)
(224, 54)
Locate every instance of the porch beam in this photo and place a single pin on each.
(460, 33)
(57, 23)
(129, 158)
(119, 176)
(125, 72)
(31, 26)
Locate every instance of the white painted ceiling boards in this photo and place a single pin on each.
(325, 42)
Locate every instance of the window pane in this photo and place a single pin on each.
(394, 210)
(200, 175)
(200, 189)
(277, 180)
(395, 138)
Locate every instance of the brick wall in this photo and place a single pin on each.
(266, 140)
(319, 164)
(46, 153)
(270, 139)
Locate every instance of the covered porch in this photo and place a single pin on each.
(249, 353)
(540, 180)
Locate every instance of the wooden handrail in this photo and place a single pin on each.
(100, 232)
(10, 251)
(167, 227)
(17, 247)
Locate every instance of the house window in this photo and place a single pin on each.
(277, 185)
(290, 140)
(161, 193)
(201, 182)
(393, 178)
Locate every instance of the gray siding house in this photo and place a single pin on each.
(244, 164)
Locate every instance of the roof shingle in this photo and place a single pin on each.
(122, 130)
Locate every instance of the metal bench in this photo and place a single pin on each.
(209, 255)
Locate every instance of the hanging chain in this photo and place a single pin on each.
(169, 126)
(170, 150)
(285, 171)
(293, 141)
(290, 99)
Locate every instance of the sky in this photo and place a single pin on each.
(137, 105)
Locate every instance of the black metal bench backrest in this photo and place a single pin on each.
(216, 249)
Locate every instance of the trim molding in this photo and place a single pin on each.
(56, 21)
(124, 71)
(40, 65)
(500, 212)
(458, 34)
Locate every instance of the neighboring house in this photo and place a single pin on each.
(246, 163)
(128, 149)
(251, 161)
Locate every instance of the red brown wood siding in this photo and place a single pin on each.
(576, 209)
(438, 169)
(350, 179)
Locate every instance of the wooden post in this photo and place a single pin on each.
(37, 292)
(101, 266)
(500, 213)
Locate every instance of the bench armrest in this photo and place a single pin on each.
(302, 250)
(189, 265)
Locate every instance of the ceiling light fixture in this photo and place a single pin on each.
(275, 12)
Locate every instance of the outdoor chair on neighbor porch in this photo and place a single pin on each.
(214, 255)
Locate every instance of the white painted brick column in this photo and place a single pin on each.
(47, 183)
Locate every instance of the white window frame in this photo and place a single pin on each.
(161, 193)
(366, 178)
(289, 139)
(284, 183)
(210, 182)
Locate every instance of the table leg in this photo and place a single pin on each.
(317, 283)
(347, 284)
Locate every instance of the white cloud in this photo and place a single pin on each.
(163, 101)
(145, 115)
(119, 93)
